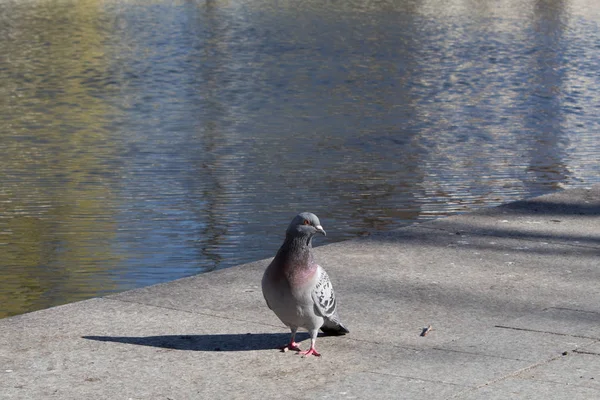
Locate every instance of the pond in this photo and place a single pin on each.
(144, 141)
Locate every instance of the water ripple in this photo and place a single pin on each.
(146, 141)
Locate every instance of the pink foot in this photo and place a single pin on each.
(291, 346)
(309, 352)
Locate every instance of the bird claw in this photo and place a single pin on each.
(309, 352)
(291, 346)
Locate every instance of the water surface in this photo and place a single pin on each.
(143, 141)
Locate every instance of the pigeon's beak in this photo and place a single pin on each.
(320, 229)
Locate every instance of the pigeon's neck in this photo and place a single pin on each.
(295, 253)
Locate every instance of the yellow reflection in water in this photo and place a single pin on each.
(57, 193)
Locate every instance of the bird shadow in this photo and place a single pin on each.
(216, 342)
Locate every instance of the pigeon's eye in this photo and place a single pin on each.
(306, 222)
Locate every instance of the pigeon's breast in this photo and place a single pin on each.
(300, 277)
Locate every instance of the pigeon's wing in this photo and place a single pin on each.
(267, 284)
(267, 301)
(323, 295)
(326, 305)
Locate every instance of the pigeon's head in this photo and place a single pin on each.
(305, 224)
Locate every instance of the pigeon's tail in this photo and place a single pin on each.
(334, 329)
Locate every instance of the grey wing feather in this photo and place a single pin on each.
(326, 305)
(265, 283)
(267, 301)
(324, 296)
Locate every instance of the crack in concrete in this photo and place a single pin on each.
(547, 332)
(593, 353)
(507, 235)
(192, 312)
(511, 375)
(572, 309)
(417, 379)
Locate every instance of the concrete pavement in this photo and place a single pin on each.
(512, 294)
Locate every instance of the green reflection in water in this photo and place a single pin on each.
(58, 181)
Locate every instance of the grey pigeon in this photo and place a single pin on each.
(297, 289)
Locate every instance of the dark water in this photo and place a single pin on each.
(143, 141)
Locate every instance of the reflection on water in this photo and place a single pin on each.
(146, 141)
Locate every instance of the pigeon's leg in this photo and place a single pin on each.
(292, 345)
(312, 350)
